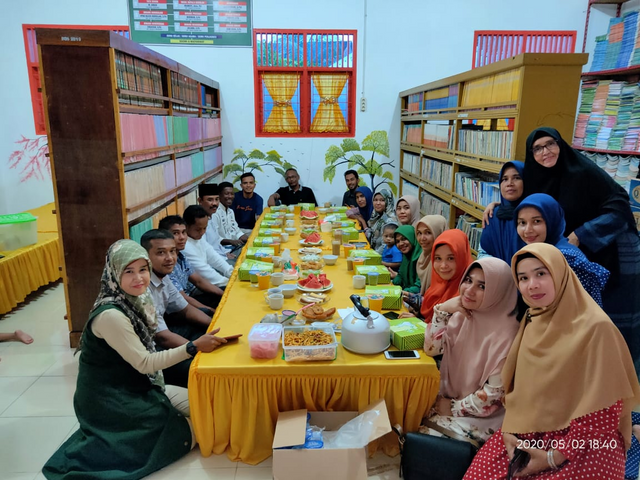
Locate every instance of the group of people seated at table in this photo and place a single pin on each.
(539, 338)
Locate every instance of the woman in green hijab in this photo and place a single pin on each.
(130, 424)
(407, 276)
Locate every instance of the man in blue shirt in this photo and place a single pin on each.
(247, 205)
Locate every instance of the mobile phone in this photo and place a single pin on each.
(230, 338)
(391, 315)
(401, 355)
(518, 462)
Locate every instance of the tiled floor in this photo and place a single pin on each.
(37, 383)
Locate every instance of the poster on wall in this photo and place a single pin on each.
(191, 22)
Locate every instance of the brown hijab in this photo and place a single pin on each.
(437, 224)
(414, 206)
(568, 359)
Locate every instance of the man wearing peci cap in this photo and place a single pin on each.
(209, 199)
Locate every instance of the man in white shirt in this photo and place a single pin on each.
(187, 323)
(209, 199)
(203, 259)
(225, 219)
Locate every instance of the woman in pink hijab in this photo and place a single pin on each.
(474, 333)
(408, 210)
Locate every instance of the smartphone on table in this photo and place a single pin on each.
(391, 315)
(231, 338)
(401, 355)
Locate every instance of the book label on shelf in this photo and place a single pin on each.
(463, 115)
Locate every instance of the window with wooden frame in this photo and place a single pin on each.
(33, 64)
(305, 82)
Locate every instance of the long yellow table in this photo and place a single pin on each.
(235, 399)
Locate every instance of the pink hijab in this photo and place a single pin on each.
(414, 205)
(476, 348)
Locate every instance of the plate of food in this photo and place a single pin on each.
(312, 239)
(306, 242)
(309, 215)
(313, 297)
(317, 313)
(309, 251)
(315, 283)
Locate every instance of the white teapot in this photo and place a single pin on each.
(365, 331)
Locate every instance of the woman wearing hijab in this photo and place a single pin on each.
(129, 426)
(364, 199)
(408, 210)
(469, 402)
(428, 229)
(499, 239)
(383, 213)
(449, 259)
(569, 381)
(406, 276)
(599, 222)
(539, 218)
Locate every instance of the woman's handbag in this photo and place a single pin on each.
(427, 457)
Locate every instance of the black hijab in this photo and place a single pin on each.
(583, 189)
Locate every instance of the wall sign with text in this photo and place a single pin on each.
(191, 22)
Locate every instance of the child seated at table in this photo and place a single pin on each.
(391, 256)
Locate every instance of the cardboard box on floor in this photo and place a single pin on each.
(322, 464)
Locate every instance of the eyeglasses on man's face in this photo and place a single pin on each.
(551, 146)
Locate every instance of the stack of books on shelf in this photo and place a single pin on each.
(479, 187)
(441, 98)
(148, 183)
(411, 163)
(474, 140)
(140, 76)
(620, 48)
(437, 172)
(430, 205)
(185, 89)
(213, 159)
(414, 102)
(621, 168)
(412, 133)
(439, 136)
(409, 188)
(499, 88)
(473, 229)
(609, 116)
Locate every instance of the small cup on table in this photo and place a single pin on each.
(359, 281)
(372, 278)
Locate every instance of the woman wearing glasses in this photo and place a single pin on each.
(598, 221)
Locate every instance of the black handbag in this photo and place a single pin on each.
(427, 457)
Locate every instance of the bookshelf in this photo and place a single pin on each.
(131, 135)
(452, 149)
(608, 124)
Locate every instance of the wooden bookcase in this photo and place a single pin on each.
(131, 135)
(505, 101)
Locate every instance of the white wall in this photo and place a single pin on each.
(407, 43)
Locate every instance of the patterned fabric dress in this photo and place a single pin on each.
(577, 443)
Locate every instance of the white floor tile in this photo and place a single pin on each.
(195, 474)
(66, 366)
(266, 463)
(260, 473)
(11, 388)
(195, 460)
(20, 360)
(27, 443)
(47, 397)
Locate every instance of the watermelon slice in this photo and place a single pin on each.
(314, 282)
(322, 278)
(308, 214)
(313, 238)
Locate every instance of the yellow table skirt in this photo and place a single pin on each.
(235, 399)
(26, 269)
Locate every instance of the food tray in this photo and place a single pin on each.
(312, 353)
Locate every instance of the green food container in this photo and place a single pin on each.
(392, 295)
(351, 233)
(407, 333)
(383, 274)
(258, 253)
(307, 206)
(371, 257)
(247, 265)
(263, 241)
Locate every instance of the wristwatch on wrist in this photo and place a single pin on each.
(192, 349)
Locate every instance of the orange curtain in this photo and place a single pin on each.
(281, 87)
(329, 118)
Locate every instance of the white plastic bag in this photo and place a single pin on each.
(353, 434)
